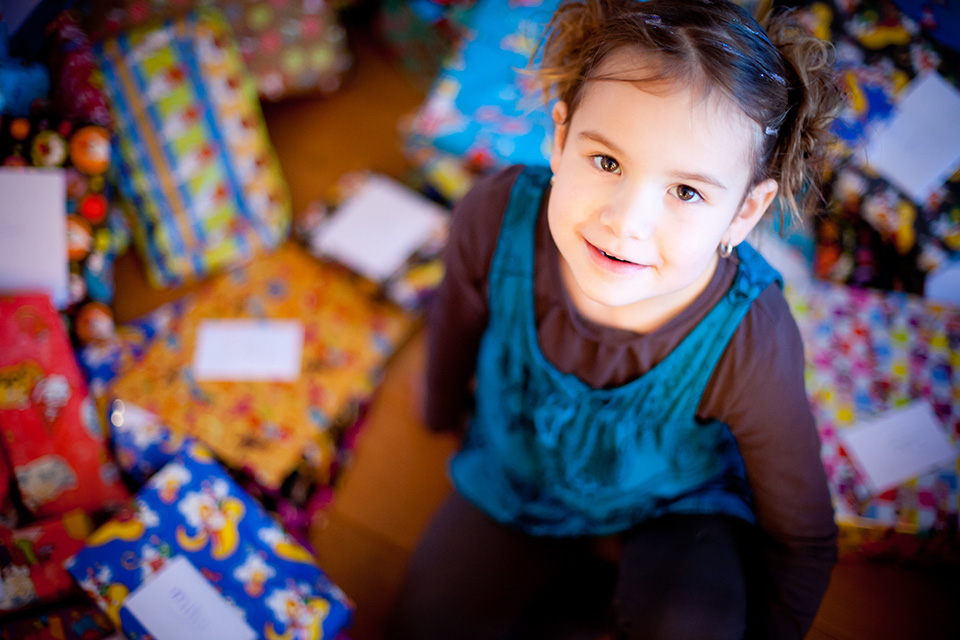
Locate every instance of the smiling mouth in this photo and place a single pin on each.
(613, 257)
(613, 264)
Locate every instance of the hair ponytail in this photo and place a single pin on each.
(800, 156)
(563, 66)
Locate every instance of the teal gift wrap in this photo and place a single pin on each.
(196, 556)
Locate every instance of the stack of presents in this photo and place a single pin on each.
(158, 477)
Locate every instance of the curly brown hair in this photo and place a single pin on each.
(781, 77)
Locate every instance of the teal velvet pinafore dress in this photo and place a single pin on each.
(549, 454)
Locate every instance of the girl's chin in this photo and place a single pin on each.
(612, 296)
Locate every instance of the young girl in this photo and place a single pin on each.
(637, 372)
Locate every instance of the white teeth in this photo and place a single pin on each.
(612, 257)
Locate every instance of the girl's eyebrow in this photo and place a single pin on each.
(699, 177)
(598, 137)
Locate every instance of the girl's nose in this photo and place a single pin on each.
(632, 214)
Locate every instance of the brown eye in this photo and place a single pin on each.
(606, 164)
(686, 193)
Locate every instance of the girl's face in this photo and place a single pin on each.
(648, 183)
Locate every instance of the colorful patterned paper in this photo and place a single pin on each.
(142, 444)
(195, 160)
(31, 560)
(872, 234)
(482, 107)
(868, 352)
(288, 48)
(271, 429)
(103, 360)
(421, 33)
(192, 509)
(51, 429)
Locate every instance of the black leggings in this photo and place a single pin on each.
(677, 577)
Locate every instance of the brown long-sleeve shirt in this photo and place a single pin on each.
(757, 388)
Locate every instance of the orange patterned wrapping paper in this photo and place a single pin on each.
(271, 428)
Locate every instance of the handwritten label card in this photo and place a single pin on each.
(180, 604)
(898, 445)
(33, 232)
(264, 350)
(377, 230)
(919, 148)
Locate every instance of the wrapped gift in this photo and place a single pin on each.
(873, 233)
(383, 231)
(271, 428)
(194, 158)
(289, 48)
(940, 19)
(483, 108)
(70, 622)
(421, 33)
(869, 352)
(196, 551)
(32, 560)
(142, 444)
(103, 360)
(51, 428)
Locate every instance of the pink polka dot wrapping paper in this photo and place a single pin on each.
(868, 352)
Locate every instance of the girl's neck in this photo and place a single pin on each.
(644, 316)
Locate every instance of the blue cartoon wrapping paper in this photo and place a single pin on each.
(483, 108)
(192, 513)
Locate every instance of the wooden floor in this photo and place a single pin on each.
(398, 475)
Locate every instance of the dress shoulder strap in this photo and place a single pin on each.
(514, 253)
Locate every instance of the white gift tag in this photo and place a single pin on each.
(898, 445)
(919, 147)
(33, 232)
(248, 350)
(180, 604)
(377, 230)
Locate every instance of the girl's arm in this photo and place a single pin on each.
(458, 314)
(758, 389)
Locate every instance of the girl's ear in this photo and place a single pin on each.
(751, 211)
(559, 133)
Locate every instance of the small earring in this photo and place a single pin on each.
(725, 249)
(553, 179)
